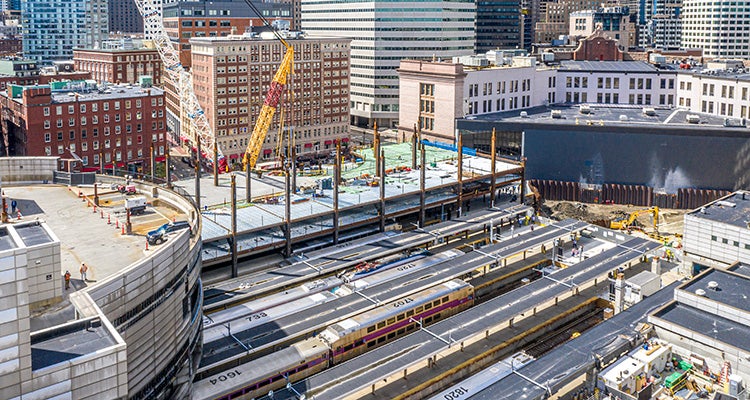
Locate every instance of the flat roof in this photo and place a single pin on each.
(715, 327)
(68, 342)
(732, 210)
(83, 234)
(116, 92)
(6, 241)
(608, 115)
(609, 66)
(732, 289)
(33, 234)
(741, 268)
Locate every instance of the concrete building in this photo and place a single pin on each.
(382, 37)
(119, 65)
(660, 25)
(24, 71)
(435, 94)
(717, 29)
(615, 82)
(614, 22)
(555, 19)
(51, 29)
(124, 17)
(194, 19)
(131, 330)
(232, 76)
(708, 322)
(717, 234)
(722, 92)
(77, 121)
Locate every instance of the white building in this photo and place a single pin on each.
(149, 29)
(719, 92)
(615, 82)
(385, 33)
(716, 27)
(718, 234)
(434, 94)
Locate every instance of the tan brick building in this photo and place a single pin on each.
(232, 75)
(119, 65)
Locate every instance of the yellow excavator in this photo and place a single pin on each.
(627, 223)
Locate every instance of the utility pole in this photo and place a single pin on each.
(288, 211)
(414, 142)
(336, 180)
(493, 155)
(522, 191)
(168, 172)
(247, 183)
(153, 164)
(376, 148)
(234, 226)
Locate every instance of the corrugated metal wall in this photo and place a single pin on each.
(637, 195)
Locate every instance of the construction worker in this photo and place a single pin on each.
(67, 280)
(83, 271)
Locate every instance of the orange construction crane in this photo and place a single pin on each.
(271, 102)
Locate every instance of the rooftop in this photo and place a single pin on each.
(609, 66)
(90, 239)
(112, 92)
(733, 210)
(73, 340)
(731, 290)
(715, 327)
(610, 115)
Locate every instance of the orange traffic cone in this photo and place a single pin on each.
(146, 244)
(109, 220)
(19, 215)
(117, 223)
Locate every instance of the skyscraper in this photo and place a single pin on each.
(52, 28)
(660, 24)
(124, 17)
(500, 24)
(384, 33)
(716, 27)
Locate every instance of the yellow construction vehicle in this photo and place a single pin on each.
(273, 97)
(627, 223)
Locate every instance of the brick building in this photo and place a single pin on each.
(232, 75)
(88, 128)
(598, 47)
(119, 65)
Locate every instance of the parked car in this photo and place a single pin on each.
(159, 235)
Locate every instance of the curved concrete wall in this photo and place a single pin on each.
(155, 305)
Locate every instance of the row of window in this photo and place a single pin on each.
(83, 107)
(407, 314)
(727, 241)
(95, 119)
(512, 87)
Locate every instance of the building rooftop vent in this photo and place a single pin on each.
(585, 109)
(725, 203)
(713, 285)
(623, 118)
(524, 114)
(556, 114)
(700, 292)
(693, 119)
(651, 112)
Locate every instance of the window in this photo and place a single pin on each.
(47, 138)
(58, 110)
(71, 109)
(46, 124)
(83, 108)
(59, 123)
(105, 106)
(46, 111)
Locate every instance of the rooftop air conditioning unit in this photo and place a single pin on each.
(524, 114)
(693, 119)
(556, 114)
(585, 110)
(623, 118)
(649, 111)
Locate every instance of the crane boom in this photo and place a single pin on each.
(269, 107)
(178, 75)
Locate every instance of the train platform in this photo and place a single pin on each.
(261, 339)
(568, 362)
(414, 351)
(345, 255)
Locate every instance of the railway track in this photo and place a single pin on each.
(564, 333)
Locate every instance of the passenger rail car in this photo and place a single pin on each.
(337, 343)
(354, 336)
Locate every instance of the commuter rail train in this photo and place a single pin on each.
(237, 319)
(337, 343)
(254, 307)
